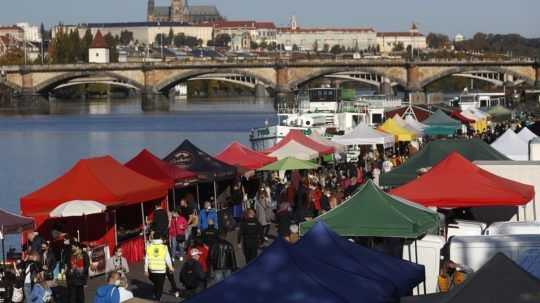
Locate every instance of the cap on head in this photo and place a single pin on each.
(195, 252)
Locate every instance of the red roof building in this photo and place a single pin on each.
(99, 41)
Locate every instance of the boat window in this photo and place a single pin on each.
(376, 118)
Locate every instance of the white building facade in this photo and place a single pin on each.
(31, 32)
(387, 41)
(306, 39)
(259, 32)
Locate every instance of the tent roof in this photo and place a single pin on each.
(392, 127)
(295, 150)
(401, 122)
(340, 148)
(535, 128)
(289, 163)
(11, 223)
(372, 212)
(435, 151)
(420, 112)
(147, 164)
(100, 179)
(415, 123)
(365, 135)
(498, 281)
(512, 146)
(440, 130)
(526, 134)
(190, 157)
(322, 243)
(460, 117)
(440, 118)
(240, 155)
(281, 274)
(299, 137)
(456, 182)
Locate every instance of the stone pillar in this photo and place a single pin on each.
(385, 87)
(260, 91)
(27, 84)
(283, 92)
(415, 93)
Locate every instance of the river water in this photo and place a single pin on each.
(35, 149)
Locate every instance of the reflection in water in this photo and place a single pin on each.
(35, 148)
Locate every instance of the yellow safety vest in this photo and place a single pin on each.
(156, 254)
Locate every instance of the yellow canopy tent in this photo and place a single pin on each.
(392, 127)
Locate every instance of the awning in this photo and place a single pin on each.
(456, 182)
(239, 155)
(147, 164)
(290, 164)
(512, 146)
(11, 223)
(390, 126)
(365, 135)
(99, 179)
(299, 137)
(371, 212)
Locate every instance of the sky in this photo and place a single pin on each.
(442, 16)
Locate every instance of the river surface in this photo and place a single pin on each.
(35, 149)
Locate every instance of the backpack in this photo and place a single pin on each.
(188, 275)
(107, 294)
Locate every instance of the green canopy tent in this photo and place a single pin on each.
(499, 113)
(440, 124)
(370, 212)
(434, 152)
(289, 163)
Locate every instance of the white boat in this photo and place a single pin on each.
(468, 101)
(323, 110)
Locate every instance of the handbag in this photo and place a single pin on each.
(18, 295)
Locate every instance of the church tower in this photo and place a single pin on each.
(150, 11)
(178, 11)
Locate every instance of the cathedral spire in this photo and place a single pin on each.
(150, 10)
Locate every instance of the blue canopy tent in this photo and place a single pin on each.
(324, 244)
(281, 274)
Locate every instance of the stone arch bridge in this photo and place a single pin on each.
(281, 77)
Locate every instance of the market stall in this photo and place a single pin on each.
(526, 134)
(315, 136)
(403, 123)
(362, 134)
(100, 179)
(149, 165)
(296, 139)
(289, 163)
(243, 157)
(512, 146)
(390, 126)
(456, 182)
(500, 280)
(440, 124)
(435, 151)
(214, 175)
(12, 224)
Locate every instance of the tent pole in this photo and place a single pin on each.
(174, 196)
(215, 195)
(416, 256)
(198, 198)
(143, 223)
(534, 208)
(115, 230)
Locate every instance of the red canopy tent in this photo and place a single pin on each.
(299, 137)
(147, 164)
(458, 116)
(100, 179)
(456, 182)
(239, 155)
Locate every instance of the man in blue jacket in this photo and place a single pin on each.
(207, 214)
(109, 293)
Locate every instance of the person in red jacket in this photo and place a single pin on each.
(316, 195)
(203, 259)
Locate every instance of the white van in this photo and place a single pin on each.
(429, 255)
(465, 228)
(475, 251)
(513, 228)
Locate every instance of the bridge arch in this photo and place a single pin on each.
(53, 82)
(166, 84)
(467, 69)
(295, 83)
(10, 85)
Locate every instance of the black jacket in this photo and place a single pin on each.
(160, 224)
(284, 220)
(222, 256)
(251, 232)
(192, 275)
(49, 260)
(77, 277)
(210, 236)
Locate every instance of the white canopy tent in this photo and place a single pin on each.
(407, 126)
(526, 135)
(415, 123)
(295, 150)
(365, 135)
(512, 146)
(315, 136)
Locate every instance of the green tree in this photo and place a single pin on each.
(398, 47)
(336, 49)
(170, 38)
(326, 47)
(222, 40)
(295, 48)
(437, 41)
(316, 46)
(254, 45)
(126, 37)
(112, 43)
